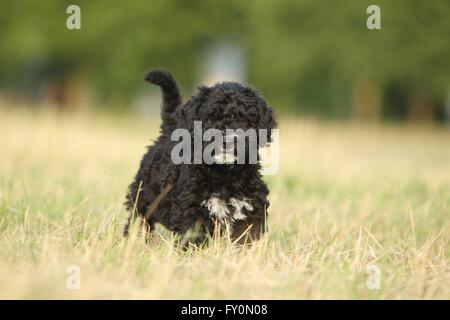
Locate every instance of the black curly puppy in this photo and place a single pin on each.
(203, 196)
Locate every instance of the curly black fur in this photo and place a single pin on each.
(224, 105)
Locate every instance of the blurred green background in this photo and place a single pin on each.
(311, 57)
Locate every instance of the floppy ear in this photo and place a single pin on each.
(266, 120)
(185, 114)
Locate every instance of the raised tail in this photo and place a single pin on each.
(169, 87)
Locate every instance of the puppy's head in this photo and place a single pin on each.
(233, 110)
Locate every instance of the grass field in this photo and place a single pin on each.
(347, 196)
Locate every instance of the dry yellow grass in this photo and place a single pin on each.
(347, 196)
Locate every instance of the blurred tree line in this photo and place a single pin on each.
(311, 56)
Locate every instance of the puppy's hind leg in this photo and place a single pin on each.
(126, 228)
(132, 205)
(145, 226)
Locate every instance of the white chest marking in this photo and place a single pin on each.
(233, 210)
(238, 206)
(217, 208)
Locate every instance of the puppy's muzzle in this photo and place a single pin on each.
(228, 153)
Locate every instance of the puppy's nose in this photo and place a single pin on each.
(229, 141)
(228, 147)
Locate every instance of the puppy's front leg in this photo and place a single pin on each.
(248, 230)
(195, 235)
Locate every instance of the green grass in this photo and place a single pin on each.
(347, 196)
